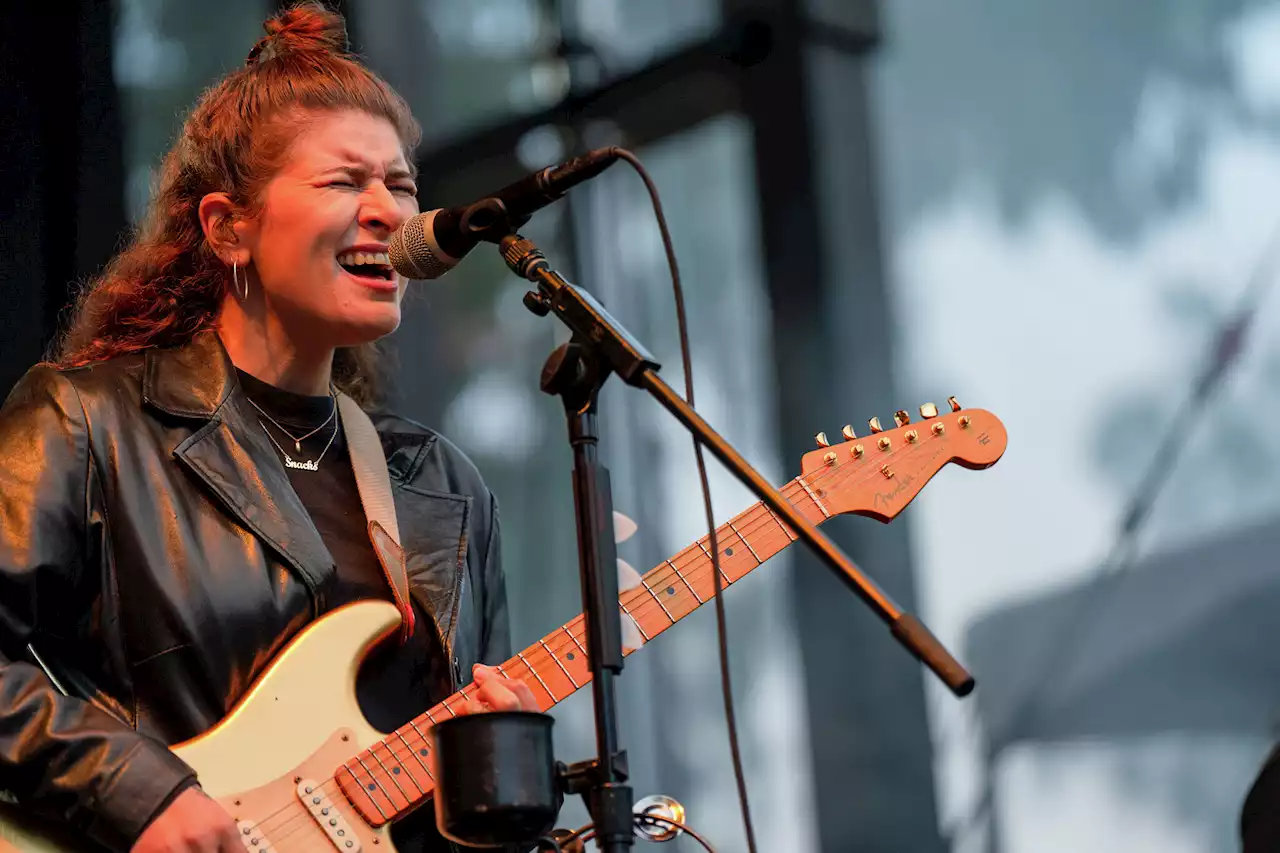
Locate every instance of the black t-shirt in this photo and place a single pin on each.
(396, 682)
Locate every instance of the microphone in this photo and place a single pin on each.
(430, 244)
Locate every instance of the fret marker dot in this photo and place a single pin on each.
(395, 771)
(373, 786)
(728, 552)
(671, 590)
(422, 751)
(569, 656)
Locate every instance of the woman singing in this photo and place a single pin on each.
(177, 499)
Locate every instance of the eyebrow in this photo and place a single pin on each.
(362, 167)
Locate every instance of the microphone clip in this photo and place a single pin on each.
(490, 220)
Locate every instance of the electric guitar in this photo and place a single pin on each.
(298, 767)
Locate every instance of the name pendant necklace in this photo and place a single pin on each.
(289, 461)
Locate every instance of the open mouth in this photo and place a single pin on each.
(375, 265)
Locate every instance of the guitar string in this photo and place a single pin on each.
(756, 512)
(640, 598)
(277, 830)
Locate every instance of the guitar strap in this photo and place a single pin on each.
(374, 485)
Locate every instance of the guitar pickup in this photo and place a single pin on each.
(252, 838)
(327, 815)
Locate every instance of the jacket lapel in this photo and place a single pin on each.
(433, 531)
(232, 456)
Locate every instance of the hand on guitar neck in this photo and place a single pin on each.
(496, 693)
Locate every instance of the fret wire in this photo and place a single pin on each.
(712, 559)
(539, 677)
(812, 496)
(414, 753)
(748, 544)
(374, 752)
(790, 535)
(634, 622)
(759, 560)
(575, 640)
(377, 786)
(424, 743)
(575, 684)
(794, 487)
(686, 583)
(645, 583)
(679, 574)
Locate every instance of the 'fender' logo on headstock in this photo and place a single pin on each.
(886, 498)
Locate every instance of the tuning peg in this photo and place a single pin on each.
(821, 439)
(874, 423)
(901, 418)
(928, 410)
(955, 407)
(848, 433)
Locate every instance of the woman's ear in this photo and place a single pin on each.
(222, 224)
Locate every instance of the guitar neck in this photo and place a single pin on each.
(556, 666)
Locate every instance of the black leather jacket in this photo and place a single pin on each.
(154, 559)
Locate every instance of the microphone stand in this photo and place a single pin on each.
(575, 372)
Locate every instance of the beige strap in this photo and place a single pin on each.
(374, 485)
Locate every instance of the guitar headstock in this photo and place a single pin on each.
(878, 474)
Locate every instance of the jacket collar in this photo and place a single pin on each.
(197, 379)
(190, 381)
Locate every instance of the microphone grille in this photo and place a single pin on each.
(414, 253)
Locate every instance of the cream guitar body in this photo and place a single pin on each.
(301, 720)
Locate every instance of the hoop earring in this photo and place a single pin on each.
(243, 295)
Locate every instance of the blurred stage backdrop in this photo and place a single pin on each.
(1047, 209)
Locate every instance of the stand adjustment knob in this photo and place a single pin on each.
(658, 806)
(537, 303)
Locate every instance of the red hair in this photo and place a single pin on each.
(168, 285)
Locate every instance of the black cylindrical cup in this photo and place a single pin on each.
(495, 778)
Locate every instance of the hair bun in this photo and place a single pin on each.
(302, 28)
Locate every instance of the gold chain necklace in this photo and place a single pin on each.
(289, 461)
(297, 440)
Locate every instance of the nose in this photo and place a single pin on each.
(380, 213)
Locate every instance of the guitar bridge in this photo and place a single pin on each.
(327, 815)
